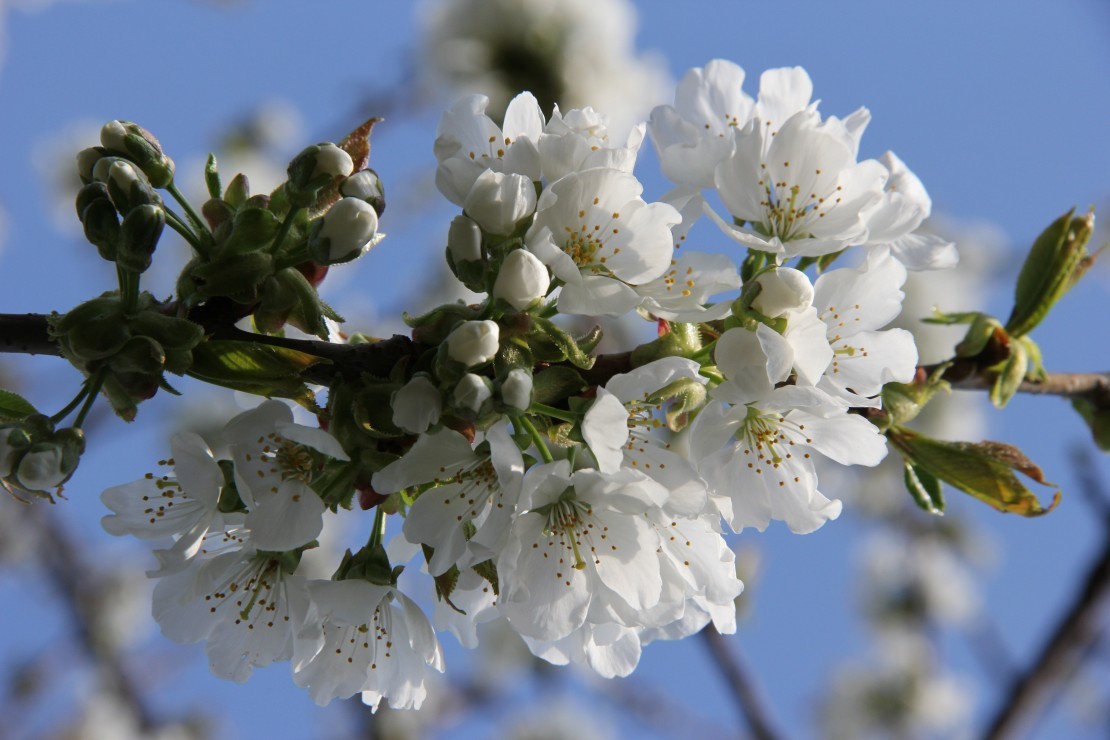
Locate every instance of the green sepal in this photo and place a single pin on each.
(984, 470)
(553, 384)
(1048, 272)
(433, 327)
(369, 564)
(683, 340)
(925, 488)
(229, 502)
(212, 177)
(260, 369)
(555, 344)
(686, 395)
(1010, 375)
(902, 402)
(487, 570)
(982, 330)
(14, 407)
(252, 229)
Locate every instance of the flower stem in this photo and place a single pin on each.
(377, 534)
(283, 230)
(561, 414)
(92, 389)
(537, 438)
(197, 222)
(72, 404)
(174, 222)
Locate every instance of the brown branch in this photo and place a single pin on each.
(744, 692)
(70, 577)
(1063, 652)
(28, 334)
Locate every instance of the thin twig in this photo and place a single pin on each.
(69, 576)
(1065, 650)
(744, 692)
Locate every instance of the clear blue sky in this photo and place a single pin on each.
(1001, 108)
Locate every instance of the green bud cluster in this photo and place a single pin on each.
(132, 349)
(35, 458)
(116, 187)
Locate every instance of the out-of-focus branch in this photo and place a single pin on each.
(68, 574)
(742, 687)
(1070, 642)
(1095, 387)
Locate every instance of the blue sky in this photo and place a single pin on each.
(1002, 109)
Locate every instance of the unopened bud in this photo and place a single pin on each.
(139, 234)
(464, 240)
(86, 162)
(499, 201)
(348, 229)
(472, 392)
(473, 343)
(367, 186)
(314, 168)
(40, 469)
(140, 146)
(14, 441)
(516, 391)
(99, 219)
(417, 405)
(522, 281)
(782, 290)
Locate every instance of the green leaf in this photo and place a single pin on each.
(1011, 373)
(1048, 272)
(260, 369)
(984, 470)
(14, 407)
(486, 569)
(212, 177)
(925, 489)
(1097, 418)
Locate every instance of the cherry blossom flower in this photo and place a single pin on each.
(600, 238)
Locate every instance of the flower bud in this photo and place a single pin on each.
(782, 290)
(332, 161)
(464, 240)
(127, 187)
(14, 441)
(417, 405)
(99, 219)
(139, 234)
(516, 390)
(141, 147)
(367, 186)
(472, 392)
(86, 162)
(40, 469)
(473, 343)
(347, 230)
(499, 201)
(522, 281)
(313, 169)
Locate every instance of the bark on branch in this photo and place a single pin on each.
(28, 334)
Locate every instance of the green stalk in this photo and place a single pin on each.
(537, 438)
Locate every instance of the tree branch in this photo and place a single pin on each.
(743, 689)
(28, 334)
(1063, 652)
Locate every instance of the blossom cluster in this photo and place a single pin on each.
(586, 506)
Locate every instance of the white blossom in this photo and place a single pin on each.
(359, 637)
(599, 237)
